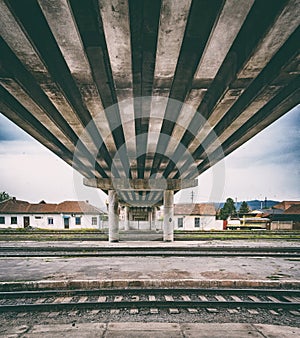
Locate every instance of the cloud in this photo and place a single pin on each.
(9, 131)
(277, 144)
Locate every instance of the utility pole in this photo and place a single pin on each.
(265, 202)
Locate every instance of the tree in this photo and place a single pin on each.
(244, 208)
(4, 196)
(228, 209)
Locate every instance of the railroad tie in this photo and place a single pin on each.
(236, 298)
(273, 299)
(171, 299)
(40, 300)
(220, 298)
(254, 298)
(187, 299)
(274, 313)
(102, 299)
(116, 299)
(153, 311)
(291, 299)
(134, 311)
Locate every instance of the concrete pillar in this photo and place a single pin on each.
(126, 218)
(153, 218)
(113, 216)
(153, 214)
(168, 230)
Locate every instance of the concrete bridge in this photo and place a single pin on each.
(141, 97)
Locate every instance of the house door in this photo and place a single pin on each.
(26, 221)
(66, 222)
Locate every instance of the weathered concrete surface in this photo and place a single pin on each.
(151, 271)
(71, 73)
(113, 216)
(150, 330)
(168, 226)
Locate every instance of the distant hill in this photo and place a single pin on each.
(253, 204)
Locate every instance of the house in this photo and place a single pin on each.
(284, 205)
(66, 215)
(288, 219)
(199, 216)
(284, 215)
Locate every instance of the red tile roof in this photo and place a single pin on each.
(284, 205)
(293, 210)
(195, 209)
(13, 206)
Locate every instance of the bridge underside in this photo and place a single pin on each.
(146, 90)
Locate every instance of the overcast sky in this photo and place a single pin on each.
(268, 165)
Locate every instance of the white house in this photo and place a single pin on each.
(199, 216)
(65, 215)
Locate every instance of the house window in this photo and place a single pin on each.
(50, 221)
(38, 217)
(197, 222)
(78, 220)
(94, 220)
(13, 220)
(180, 222)
(2, 220)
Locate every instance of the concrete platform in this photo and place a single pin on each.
(93, 272)
(126, 272)
(150, 330)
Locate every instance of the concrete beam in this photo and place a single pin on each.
(139, 184)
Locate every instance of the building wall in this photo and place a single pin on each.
(277, 225)
(42, 221)
(206, 223)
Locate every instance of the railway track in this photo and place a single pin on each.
(94, 251)
(102, 235)
(153, 300)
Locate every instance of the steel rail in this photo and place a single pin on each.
(142, 248)
(9, 251)
(147, 304)
(138, 304)
(149, 291)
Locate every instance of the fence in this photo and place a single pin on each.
(281, 225)
(137, 225)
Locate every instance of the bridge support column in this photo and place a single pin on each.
(113, 216)
(153, 218)
(126, 218)
(168, 231)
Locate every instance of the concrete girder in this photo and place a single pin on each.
(277, 107)
(30, 58)
(20, 117)
(219, 88)
(27, 102)
(14, 36)
(255, 106)
(63, 27)
(230, 22)
(65, 63)
(174, 14)
(137, 184)
(198, 29)
(115, 18)
(286, 23)
(259, 94)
